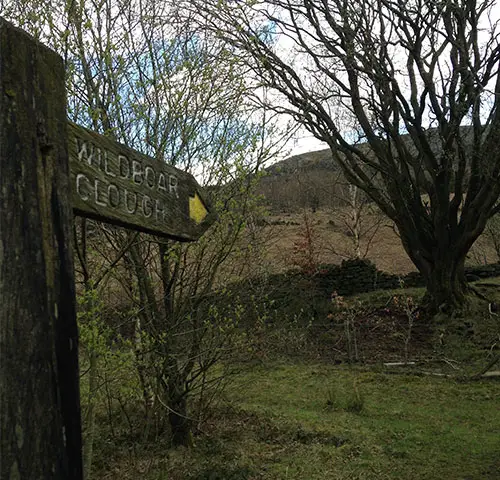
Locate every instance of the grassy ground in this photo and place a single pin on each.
(303, 421)
(288, 415)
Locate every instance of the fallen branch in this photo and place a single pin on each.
(483, 371)
(398, 364)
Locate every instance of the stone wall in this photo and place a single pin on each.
(359, 276)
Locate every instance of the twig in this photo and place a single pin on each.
(450, 363)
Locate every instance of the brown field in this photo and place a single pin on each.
(332, 243)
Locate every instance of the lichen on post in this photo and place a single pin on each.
(39, 389)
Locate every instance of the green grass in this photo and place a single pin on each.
(297, 421)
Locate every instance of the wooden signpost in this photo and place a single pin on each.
(116, 184)
(50, 169)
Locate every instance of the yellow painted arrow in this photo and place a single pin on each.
(197, 209)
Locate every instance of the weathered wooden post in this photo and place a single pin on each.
(39, 392)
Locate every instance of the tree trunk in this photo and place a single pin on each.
(439, 254)
(446, 285)
(355, 220)
(161, 328)
(180, 424)
(88, 448)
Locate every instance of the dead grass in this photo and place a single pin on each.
(334, 244)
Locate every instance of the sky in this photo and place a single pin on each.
(303, 143)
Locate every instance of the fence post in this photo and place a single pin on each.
(39, 387)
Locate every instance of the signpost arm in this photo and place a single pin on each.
(40, 432)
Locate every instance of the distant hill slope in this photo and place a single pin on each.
(317, 160)
(309, 180)
(315, 180)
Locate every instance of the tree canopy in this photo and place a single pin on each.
(403, 78)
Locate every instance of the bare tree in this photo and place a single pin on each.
(420, 78)
(167, 92)
(361, 221)
(174, 96)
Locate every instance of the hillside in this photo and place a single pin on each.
(309, 188)
(310, 180)
(314, 180)
(316, 160)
